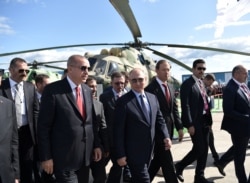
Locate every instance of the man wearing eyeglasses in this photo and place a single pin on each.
(136, 122)
(66, 134)
(196, 117)
(108, 99)
(24, 95)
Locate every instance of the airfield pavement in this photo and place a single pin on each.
(222, 143)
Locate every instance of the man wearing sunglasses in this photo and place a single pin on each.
(24, 95)
(66, 133)
(108, 99)
(196, 117)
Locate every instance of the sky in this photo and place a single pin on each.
(32, 24)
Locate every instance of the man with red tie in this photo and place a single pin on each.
(165, 94)
(65, 126)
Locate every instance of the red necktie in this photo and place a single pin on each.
(204, 94)
(246, 90)
(79, 102)
(167, 94)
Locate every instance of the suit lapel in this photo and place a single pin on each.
(7, 89)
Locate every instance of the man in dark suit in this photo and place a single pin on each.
(137, 119)
(65, 125)
(98, 167)
(108, 100)
(9, 164)
(208, 82)
(169, 108)
(27, 107)
(196, 117)
(41, 80)
(236, 121)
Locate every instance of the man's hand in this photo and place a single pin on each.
(122, 161)
(167, 143)
(191, 130)
(180, 134)
(97, 154)
(48, 166)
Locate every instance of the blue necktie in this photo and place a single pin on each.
(145, 110)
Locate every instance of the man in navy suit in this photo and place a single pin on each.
(137, 119)
(169, 108)
(28, 113)
(196, 117)
(236, 121)
(65, 125)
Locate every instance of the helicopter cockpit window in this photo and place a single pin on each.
(100, 67)
(92, 62)
(113, 67)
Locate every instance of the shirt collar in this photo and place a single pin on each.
(13, 83)
(72, 84)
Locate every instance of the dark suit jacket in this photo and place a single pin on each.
(133, 135)
(31, 102)
(108, 100)
(101, 125)
(236, 107)
(9, 164)
(170, 112)
(63, 135)
(192, 104)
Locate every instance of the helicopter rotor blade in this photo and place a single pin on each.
(125, 11)
(54, 67)
(61, 47)
(169, 58)
(199, 48)
(43, 63)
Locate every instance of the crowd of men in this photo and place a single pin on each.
(59, 131)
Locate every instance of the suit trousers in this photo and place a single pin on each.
(98, 171)
(139, 173)
(26, 151)
(72, 176)
(199, 150)
(163, 159)
(236, 152)
(115, 172)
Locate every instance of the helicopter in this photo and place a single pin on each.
(126, 56)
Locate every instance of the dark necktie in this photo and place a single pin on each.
(79, 102)
(167, 94)
(18, 104)
(204, 94)
(145, 110)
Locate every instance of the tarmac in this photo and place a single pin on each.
(222, 143)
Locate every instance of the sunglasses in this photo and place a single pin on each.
(82, 68)
(23, 70)
(201, 68)
(119, 83)
(135, 80)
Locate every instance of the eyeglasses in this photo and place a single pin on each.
(82, 68)
(201, 68)
(23, 70)
(119, 83)
(135, 80)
